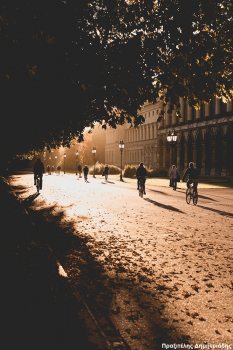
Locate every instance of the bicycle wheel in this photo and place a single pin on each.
(140, 190)
(38, 185)
(195, 198)
(188, 196)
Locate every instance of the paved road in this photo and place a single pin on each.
(168, 265)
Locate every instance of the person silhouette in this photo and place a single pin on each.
(38, 170)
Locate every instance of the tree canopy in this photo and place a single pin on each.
(65, 64)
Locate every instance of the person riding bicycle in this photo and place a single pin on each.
(141, 174)
(38, 170)
(192, 175)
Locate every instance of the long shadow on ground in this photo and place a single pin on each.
(164, 206)
(199, 195)
(37, 310)
(88, 276)
(28, 201)
(220, 212)
(161, 192)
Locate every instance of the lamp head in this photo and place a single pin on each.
(121, 145)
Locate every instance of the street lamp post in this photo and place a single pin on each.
(121, 147)
(64, 156)
(94, 153)
(55, 165)
(171, 139)
(76, 163)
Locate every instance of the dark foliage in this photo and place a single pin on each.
(65, 64)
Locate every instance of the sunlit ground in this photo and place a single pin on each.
(177, 254)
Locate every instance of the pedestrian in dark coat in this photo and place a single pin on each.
(106, 172)
(85, 172)
(38, 170)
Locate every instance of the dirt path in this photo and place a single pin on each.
(167, 265)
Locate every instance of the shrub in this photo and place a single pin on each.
(152, 172)
(129, 171)
(157, 172)
(162, 173)
(114, 170)
(99, 168)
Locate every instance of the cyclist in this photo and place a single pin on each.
(38, 170)
(192, 175)
(141, 174)
(85, 172)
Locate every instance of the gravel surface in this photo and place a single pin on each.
(160, 268)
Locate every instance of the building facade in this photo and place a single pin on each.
(204, 136)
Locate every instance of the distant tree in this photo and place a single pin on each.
(66, 64)
(85, 148)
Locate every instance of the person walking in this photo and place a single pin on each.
(79, 168)
(174, 177)
(85, 172)
(48, 170)
(106, 172)
(58, 169)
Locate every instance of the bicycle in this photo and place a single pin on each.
(141, 187)
(191, 194)
(37, 183)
